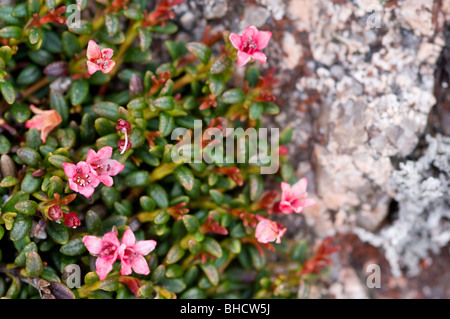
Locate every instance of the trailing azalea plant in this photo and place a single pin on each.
(93, 203)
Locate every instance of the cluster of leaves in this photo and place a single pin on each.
(201, 215)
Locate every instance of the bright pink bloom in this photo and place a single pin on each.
(131, 254)
(71, 220)
(268, 231)
(107, 250)
(44, 121)
(103, 166)
(81, 178)
(250, 44)
(99, 60)
(293, 199)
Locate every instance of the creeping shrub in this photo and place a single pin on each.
(101, 192)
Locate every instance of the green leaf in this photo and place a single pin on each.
(166, 103)
(70, 43)
(34, 6)
(21, 257)
(21, 227)
(256, 186)
(191, 223)
(111, 23)
(7, 16)
(35, 35)
(212, 246)
(8, 92)
(194, 293)
(33, 264)
(145, 38)
(29, 75)
(256, 110)
(108, 110)
(58, 232)
(174, 254)
(9, 181)
(184, 176)
(174, 285)
(200, 50)
(58, 103)
(286, 135)
(166, 123)
(93, 222)
(30, 184)
(168, 28)
(110, 284)
(74, 247)
(300, 251)
(79, 91)
(211, 273)
(221, 64)
(136, 179)
(232, 96)
(29, 157)
(162, 217)
(82, 27)
(159, 195)
(217, 84)
(21, 112)
(252, 76)
(58, 160)
(11, 32)
(27, 207)
(135, 55)
(158, 274)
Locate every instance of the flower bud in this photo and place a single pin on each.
(71, 220)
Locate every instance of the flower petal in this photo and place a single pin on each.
(259, 56)
(243, 58)
(105, 153)
(35, 110)
(93, 51)
(69, 169)
(144, 247)
(262, 39)
(86, 191)
(108, 53)
(125, 268)
(103, 265)
(236, 40)
(299, 188)
(93, 244)
(285, 191)
(92, 67)
(91, 157)
(84, 167)
(140, 265)
(111, 238)
(115, 167)
(250, 32)
(107, 180)
(128, 238)
(110, 66)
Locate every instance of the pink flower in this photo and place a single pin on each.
(44, 121)
(250, 44)
(131, 254)
(99, 60)
(81, 178)
(293, 199)
(107, 250)
(103, 166)
(268, 231)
